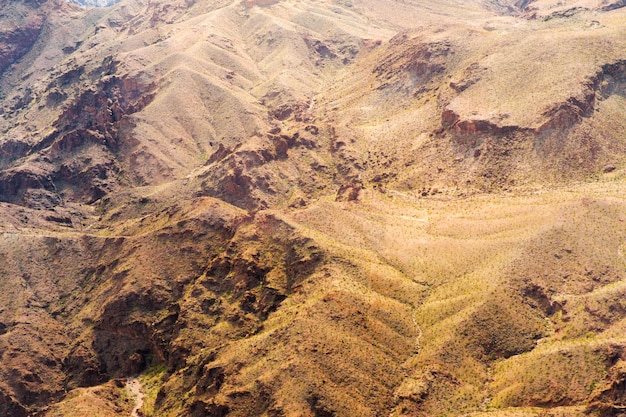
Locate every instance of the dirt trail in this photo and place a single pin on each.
(134, 386)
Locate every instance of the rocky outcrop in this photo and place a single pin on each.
(22, 23)
(451, 121)
(471, 75)
(77, 160)
(102, 108)
(265, 262)
(609, 399)
(412, 64)
(561, 117)
(349, 191)
(242, 175)
(9, 406)
(612, 5)
(29, 188)
(251, 277)
(611, 79)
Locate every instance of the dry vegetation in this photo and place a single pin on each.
(313, 208)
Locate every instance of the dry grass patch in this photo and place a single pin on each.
(108, 400)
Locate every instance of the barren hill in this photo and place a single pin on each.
(313, 208)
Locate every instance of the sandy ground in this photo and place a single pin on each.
(134, 386)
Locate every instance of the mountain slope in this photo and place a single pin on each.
(321, 208)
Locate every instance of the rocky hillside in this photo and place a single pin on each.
(312, 208)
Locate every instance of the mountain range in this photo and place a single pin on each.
(313, 208)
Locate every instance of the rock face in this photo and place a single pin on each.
(22, 24)
(312, 208)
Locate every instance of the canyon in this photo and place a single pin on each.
(312, 208)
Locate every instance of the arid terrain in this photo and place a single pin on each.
(313, 208)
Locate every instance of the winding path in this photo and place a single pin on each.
(134, 386)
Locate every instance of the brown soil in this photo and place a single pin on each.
(312, 208)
